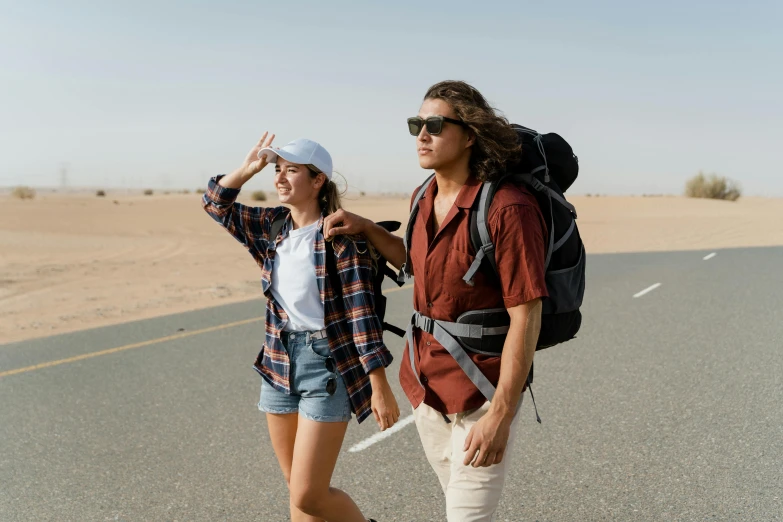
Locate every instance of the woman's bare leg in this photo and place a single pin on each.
(282, 431)
(315, 455)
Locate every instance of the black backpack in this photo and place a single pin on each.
(377, 283)
(547, 167)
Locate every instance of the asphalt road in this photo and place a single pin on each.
(668, 406)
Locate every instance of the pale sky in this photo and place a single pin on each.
(165, 94)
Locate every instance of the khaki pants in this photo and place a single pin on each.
(472, 494)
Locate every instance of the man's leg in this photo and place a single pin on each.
(435, 435)
(473, 494)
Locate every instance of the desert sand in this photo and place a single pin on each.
(75, 261)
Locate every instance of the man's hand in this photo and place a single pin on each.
(487, 440)
(342, 223)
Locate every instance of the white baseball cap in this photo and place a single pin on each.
(302, 151)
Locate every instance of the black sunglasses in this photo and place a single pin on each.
(434, 124)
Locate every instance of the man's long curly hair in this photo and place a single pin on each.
(497, 147)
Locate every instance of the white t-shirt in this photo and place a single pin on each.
(294, 284)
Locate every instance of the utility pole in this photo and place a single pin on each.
(64, 175)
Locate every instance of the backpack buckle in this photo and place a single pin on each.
(424, 323)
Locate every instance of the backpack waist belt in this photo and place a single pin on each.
(445, 333)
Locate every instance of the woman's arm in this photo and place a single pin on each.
(250, 167)
(243, 222)
(355, 267)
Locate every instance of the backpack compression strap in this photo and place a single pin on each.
(405, 269)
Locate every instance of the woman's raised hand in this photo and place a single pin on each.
(253, 165)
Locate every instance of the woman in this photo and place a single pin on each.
(323, 356)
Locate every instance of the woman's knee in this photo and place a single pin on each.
(308, 499)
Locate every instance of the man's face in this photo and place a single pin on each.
(447, 148)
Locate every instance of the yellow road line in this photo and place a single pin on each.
(127, 347)
(146, 343)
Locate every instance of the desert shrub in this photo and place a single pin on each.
(100, 193)
(712, 187)
(148, 192)
(23, 193)
(258, 195)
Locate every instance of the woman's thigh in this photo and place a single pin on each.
(315, 454)
(282, 432)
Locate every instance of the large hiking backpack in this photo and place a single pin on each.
(383, 270)
(547, 168)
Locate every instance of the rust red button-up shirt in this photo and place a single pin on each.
(439, 261)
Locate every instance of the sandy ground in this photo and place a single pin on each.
(69, 262)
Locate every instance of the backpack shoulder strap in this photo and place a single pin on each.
(405, 270)
(479, 231)
(277, 226)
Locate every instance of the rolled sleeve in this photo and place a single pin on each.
(355, 267)
(245, 223)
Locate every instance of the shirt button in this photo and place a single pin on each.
(424, 379)
(429, 305)
(428, 343)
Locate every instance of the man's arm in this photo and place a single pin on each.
(345, 223)
(486, 443)
(517, 358)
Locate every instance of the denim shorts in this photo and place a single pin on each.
(318, 391)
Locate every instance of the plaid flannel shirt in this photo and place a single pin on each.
(355, 333)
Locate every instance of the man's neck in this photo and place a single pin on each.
(451, 180)
(301, 216)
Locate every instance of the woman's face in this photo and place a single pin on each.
(294, 184)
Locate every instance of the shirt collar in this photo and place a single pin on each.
(467, 194)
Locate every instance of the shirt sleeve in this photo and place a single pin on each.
(518, 232)
(246, 224)
(355, 267)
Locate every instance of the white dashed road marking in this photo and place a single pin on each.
(378, 437)
(647, 290)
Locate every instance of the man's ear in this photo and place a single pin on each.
(471, 138)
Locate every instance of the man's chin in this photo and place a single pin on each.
(426, 164)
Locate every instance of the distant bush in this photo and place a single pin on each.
(200, 190)
(100, 193)
(186, 191)
(362, 193)
(148, 192)
(23, 193)
(258, 195)
(712, 187)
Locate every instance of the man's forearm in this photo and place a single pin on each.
(517, 357)
(390, 246)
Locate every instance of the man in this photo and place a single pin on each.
(467, 439)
